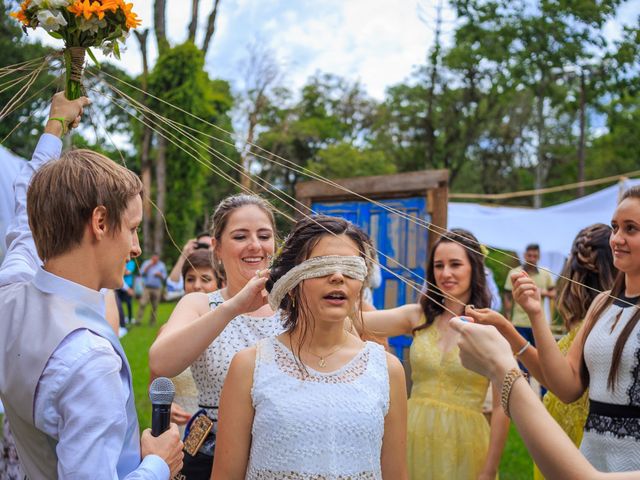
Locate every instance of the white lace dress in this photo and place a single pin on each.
(317, 426)
(611, 439)
(210, 369)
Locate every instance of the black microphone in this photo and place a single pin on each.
(161, 393)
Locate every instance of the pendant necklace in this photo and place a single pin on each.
(322, 359)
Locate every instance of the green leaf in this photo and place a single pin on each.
(93, 57)
(56, 35)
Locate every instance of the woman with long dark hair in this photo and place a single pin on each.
(588, 270)
(605, 355)
(448, 436)
(316, 401)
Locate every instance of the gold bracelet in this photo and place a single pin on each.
(507, 384)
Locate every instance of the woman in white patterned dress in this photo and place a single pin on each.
(605, 355)
(316, 402)
(206, 330)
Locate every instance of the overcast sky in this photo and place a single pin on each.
(377, 42)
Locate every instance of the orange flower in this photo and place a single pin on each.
(21, 15)
(86, 8)
(110, 5)
(132, 20)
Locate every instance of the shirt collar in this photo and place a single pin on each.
(49, 283)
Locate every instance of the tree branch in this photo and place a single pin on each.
(159, 24)
(193, 26)
(211, 27)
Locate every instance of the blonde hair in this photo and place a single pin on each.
(64, 193)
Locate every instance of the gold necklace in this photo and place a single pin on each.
(322, 362)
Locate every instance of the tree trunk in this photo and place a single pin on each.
(211, 27)
(430, 127)
(193, 26)
(583, 123)
(245, 178)
(161, 177)
(159, 24)
(539, 170)
(145, 147)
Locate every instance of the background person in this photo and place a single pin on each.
(153, 272)
(125, 294)
(175, 280)
(198, 276)
(542, 279)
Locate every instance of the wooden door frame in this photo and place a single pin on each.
(430, 184)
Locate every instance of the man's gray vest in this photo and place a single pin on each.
(32, 325)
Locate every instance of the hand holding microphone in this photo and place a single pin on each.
(163, 439)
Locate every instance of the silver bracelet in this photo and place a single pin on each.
(523, 349)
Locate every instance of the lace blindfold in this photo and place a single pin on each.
(350, 266)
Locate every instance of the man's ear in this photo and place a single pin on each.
(99, 225)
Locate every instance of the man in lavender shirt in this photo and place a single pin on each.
(64, 378)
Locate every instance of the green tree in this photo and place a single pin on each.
(329, 112)
(343, 160)
(179, 79)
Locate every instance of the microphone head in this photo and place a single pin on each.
(162, 391)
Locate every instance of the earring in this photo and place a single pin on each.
(293, 301)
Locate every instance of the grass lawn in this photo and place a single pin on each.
(516, 463)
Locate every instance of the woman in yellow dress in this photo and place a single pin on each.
(590, 264)
(448, 436)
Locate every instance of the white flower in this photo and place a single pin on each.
(50, 21)
(92, 25)
(51, 4)
(59, 3)
(107, 48)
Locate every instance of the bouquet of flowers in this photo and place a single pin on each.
(81, 24)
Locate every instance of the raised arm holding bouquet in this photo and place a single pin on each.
(82, 25)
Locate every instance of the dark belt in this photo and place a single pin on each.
(612, 410)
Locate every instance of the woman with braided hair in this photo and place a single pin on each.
(605, 355)
(588, 270)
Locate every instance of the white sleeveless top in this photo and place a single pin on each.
(210, 369)
(612, 444)
(313, 425)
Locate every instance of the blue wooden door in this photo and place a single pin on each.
(402, 245)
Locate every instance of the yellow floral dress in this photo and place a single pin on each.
(448, 437)
(571, 417)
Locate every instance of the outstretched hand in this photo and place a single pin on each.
(70, 111)
(483, 350)
(486, 316)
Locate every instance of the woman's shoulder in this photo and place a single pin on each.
(195, 301)
(244, 361)
(393, 363)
